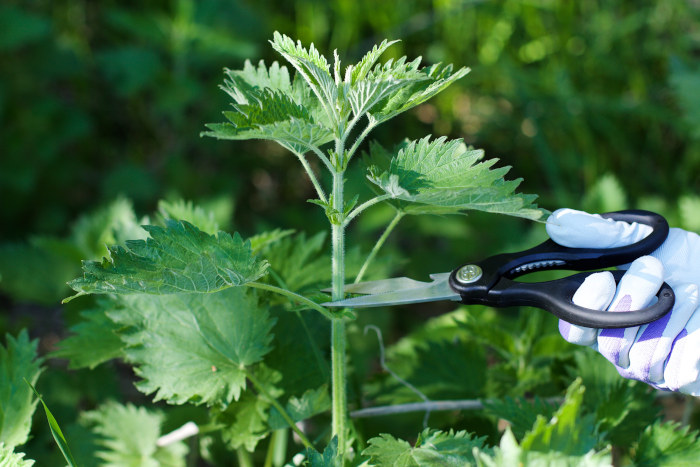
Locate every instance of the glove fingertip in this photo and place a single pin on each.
(596, 292)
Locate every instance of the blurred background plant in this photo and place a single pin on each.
(595, 104)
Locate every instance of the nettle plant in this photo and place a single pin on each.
(193, 309)
(209, 319)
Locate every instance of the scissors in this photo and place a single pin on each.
(490, 281)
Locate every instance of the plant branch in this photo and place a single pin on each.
(370, 126)
(379, 244)
(323, 158)
(432, 406)
(261, 389)
(312, 176)
(294, 296)
(365, 205)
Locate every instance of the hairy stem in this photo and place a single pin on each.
(379, 244)
(261, 389)
(338, 343)
(294, 296)
(319, 191)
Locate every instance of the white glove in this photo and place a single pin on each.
(664, 353)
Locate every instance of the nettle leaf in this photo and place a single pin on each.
(509, 453)
(433, 80)
(194, 348)
(313, 67)
(181, 210)
(447, 177)
(270, 106)
(519, 412)
(245, 422)
(177, 258)
(265, 239)
(298, 261)
(9, 458)
(432, 448)
(312, 402)
(329, 458)
(93, 341)
(667, 444)
(441, 369)
(568, 431)
(355, 73)
(18, 362)
(128, 436)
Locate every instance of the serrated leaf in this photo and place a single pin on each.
(358, 72)
(623, 408)
(432, 448)
(519, 412)
(194, 348)
(313, 67)
(129, 436)
(312, 402)
(440, 369)
(667, 444)
(9, 458)
(265, 239)
(92, 342)
(181, 210)
(568, 431)
(329, 458)
(18, 363)
(245, 422)
(177, 258)
(509, 454)
(435, 79)
(297, 260)
(447, 177)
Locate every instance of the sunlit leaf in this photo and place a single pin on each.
(176, 258)
(446, 177)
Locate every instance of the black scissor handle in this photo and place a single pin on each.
(584, 259)
(556, 297)
(495, 288)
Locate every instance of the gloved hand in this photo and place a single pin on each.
(664, 353)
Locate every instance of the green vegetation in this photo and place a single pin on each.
(208, 311)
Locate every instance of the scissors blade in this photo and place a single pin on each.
(383, 286)
(413, 292)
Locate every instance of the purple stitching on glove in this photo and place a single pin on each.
(612, 338)
(564, 329)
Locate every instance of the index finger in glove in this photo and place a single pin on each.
(578, 229)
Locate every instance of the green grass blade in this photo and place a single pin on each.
(56, 430)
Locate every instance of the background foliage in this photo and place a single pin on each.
(594, 103)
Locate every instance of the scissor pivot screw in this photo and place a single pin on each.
(468, 274)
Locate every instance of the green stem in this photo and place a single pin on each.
(338, 343)
(379, 244)
(370, 126)
(323, 158)
(312, 176)
(364, 206)
(261, 389)
(244, 458)
(294, 296)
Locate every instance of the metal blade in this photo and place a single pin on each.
(420, 292)
(384, 285)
